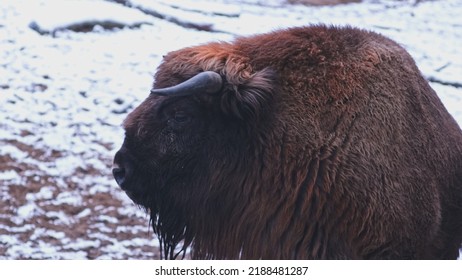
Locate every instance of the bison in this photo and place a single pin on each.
(316, 142)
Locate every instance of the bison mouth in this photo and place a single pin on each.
(127, 175)
(129, 179)
(120, 175)
(137, 190)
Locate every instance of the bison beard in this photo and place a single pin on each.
(307, 143)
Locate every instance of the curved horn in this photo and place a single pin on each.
(204, 82)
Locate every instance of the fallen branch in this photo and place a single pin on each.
(86, 26)
(446, 83)
(198, 26)
(187, 18)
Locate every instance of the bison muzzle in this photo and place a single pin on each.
(307, 143)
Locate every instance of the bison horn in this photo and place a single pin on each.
(204, 82)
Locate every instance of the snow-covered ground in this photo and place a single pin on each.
(64, 94)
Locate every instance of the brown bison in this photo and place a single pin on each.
(308, 143)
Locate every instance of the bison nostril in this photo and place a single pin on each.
(119, 175)
(123, 168)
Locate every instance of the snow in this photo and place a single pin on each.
(53, 15)
(206, 7)
(45, 193)
(59, 218)
(9, 175)
(108, 219)
(12, 151)
(80, 243)
(26, 211)
(64, 95)
(84, 213)
(68, 198)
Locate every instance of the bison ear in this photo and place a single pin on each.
(249, 97)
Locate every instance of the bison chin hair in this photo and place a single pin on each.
(164, 197)
(171, 231)
(165, 217)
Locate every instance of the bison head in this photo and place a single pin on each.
(187, 144)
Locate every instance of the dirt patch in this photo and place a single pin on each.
(61, 217)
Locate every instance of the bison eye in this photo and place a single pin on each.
(181, 117)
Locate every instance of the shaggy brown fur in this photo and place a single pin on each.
(324, 143)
